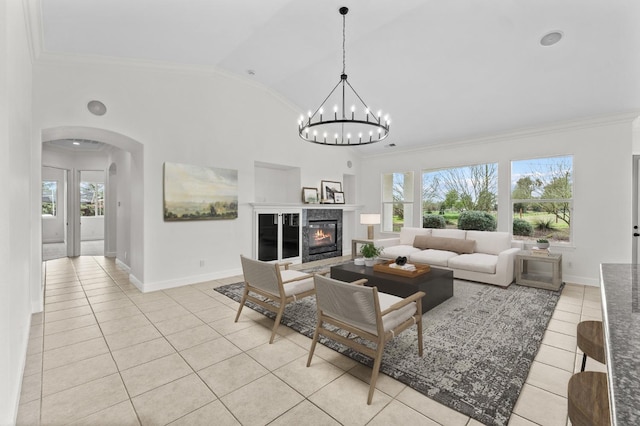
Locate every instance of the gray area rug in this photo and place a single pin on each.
(478, 346)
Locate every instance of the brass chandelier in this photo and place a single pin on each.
(339, 127)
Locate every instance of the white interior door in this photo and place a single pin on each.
(73, 213)
(636, 209)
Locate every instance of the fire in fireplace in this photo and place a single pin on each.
(322, 236)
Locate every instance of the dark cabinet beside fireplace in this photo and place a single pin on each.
(278, 235)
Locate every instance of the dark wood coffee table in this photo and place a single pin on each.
(437, 283)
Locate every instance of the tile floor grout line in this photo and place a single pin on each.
(177, 298)
(112, 359)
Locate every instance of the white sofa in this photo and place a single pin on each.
(487, 257)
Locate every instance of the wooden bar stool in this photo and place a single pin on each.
(591, 341)
(588, 399)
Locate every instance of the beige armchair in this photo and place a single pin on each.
(276, 283)
(365, 312)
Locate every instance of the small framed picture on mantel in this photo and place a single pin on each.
(328, 189)
(338, 197)
(310, 195)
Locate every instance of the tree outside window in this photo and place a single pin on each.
(449, 192)
(542, 198)
(91, 199)
(49, 198)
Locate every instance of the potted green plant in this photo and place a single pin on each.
(542, 243)
(370, 252)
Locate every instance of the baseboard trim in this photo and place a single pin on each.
(194, 279)
(574, 279)
(123, 265)
(135, 281)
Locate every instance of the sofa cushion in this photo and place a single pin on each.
(449, 233)
(400, 250)
(475, 262)
(433, 257)
(440, 243)
(407, 234)
(490, 242)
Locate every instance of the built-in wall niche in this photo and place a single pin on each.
(276, 183)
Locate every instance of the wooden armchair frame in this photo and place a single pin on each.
(265, 279)
(380, 338)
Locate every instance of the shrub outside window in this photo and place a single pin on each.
(91, 199)
(450, 192)
(542, 198)
(49, 198)
(397, 201)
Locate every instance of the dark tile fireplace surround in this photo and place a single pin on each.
(315, 216)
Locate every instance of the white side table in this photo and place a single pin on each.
(551, 281)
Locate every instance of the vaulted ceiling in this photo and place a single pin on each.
(443, 70)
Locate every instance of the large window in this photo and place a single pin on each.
(49, 198)
(397, 201)
(91, 199)
(542, 198)
(449, 192)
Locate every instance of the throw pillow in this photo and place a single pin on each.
(456, 245)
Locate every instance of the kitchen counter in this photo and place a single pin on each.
(619, 285)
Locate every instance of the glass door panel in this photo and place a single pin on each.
(267, 236)
(290, 235)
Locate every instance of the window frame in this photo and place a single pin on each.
(96, 205)
(570, 201)
(494, 185)
(389, 205)
(54, 202)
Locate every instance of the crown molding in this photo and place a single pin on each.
(553, 128)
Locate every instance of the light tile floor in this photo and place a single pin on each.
(104, 353)
(58, 250)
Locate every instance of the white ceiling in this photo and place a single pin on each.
(443, 70)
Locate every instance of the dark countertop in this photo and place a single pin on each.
(619, 285)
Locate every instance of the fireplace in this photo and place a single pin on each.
(322, 236)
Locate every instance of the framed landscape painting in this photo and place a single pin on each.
(199, 193)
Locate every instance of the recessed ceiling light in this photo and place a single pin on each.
(96, 108)
(251, 72)
(76, 143)
(551, 38)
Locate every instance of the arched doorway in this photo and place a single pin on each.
(124, 231)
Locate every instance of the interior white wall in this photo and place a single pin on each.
(601, 152)
(20, 253)
(186, 116)
(53, 226)
(124, 216)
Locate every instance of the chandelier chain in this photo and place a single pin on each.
(344, 61)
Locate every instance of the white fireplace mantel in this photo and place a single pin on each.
(343, 207)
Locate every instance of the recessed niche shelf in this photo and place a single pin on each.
(276, 183)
